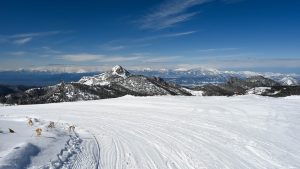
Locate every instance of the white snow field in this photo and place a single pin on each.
(161, 132)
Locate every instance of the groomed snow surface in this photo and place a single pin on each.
(156, 132)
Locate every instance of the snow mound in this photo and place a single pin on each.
(19, 157)
(55, 148)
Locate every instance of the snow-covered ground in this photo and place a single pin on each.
(258, 90)
(56, 147)
(194, 92)
(159, 132)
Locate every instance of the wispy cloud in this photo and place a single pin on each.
(119, 59)
(50, 50)
(22, 41)
(36, 34)
(170, 35)
(162, 59)
(23, 38)
(181, 34)
(170, 13)
(114, 48)
(141, 42)
(210, 50)
(17, 53)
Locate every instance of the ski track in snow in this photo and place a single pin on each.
(179, 132)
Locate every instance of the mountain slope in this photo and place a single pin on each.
(115, 83)
(136, 83)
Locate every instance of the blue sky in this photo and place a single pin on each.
(257, 35)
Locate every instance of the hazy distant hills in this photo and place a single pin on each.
(195, 77)
(36, 78)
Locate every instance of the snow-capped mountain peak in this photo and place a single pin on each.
(117, 73)
(289, 81)
(120, 71)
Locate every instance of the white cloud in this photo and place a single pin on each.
(244, 63)
(68, 68)
(85, 57)
(82, 57)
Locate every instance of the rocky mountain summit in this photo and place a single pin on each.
(289, 81)
(146, 86)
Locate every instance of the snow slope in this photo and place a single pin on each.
(179, 132)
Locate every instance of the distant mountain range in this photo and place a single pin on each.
(119, 82)
(195, 77)
(185, 77)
